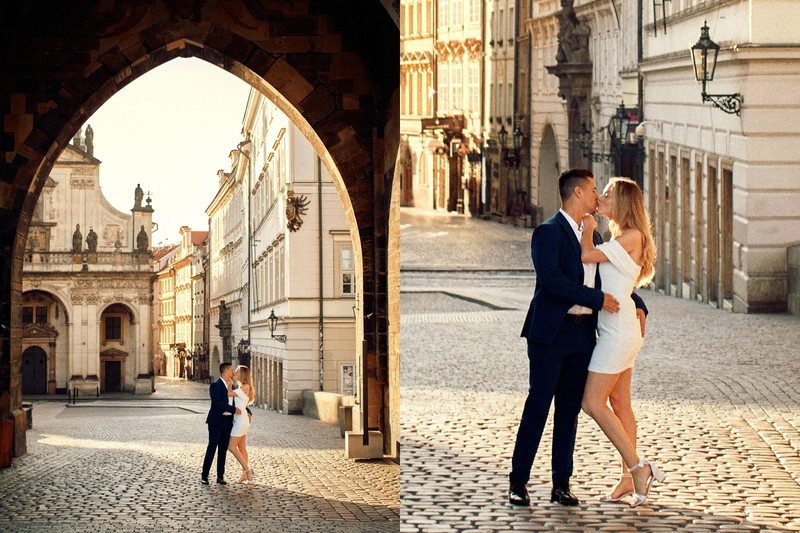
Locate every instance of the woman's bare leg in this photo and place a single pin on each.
(620, 400)
(595, 404)
(233, 447)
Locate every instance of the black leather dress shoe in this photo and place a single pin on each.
(204, 480)
(563, 495)
(518, 494)
(221, 481)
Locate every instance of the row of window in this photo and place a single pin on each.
(270, 278)
(457, 13)
(269, 184)
(452, 78)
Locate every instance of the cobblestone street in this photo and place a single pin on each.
(717, 397)
(131, 464)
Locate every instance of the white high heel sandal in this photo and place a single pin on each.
(655, 475)
(609, 496)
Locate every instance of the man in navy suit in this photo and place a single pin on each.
(560, 329)
(220, 423)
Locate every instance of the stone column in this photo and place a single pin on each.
(92, 347)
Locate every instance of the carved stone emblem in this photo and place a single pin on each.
(296, 207)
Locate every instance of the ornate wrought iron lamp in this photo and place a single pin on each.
(704, 61)
(272, 323)
(620, 124)
(511, 153)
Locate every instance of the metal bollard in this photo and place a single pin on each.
(98, 392)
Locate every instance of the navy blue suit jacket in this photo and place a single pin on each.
(219, 403)
(556, 255)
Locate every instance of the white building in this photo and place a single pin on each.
(302, 269)
(87, 285)
(723, 188)
(227, 261)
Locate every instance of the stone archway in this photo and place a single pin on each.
(324, 63)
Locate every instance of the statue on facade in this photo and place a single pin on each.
(573, 37)
(89, 140)
(77, 239)
(91, 240)
(138, 194)
(224, 326)
(141, 240)
(224, 314)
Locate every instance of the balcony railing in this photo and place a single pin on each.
(88, 261)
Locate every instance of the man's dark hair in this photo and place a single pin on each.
(569, 179)
(223, 366)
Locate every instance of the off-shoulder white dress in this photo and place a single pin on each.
(241, 423)
(619, 335)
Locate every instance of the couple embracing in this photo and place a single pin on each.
(228, 421)
(584, 329)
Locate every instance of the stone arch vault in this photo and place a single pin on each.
(333, 65)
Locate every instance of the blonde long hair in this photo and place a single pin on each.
(629, 212)
(246, 379)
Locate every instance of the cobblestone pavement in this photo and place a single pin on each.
(717, 397)
(126, 465)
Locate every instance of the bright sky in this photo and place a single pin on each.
(170, 130)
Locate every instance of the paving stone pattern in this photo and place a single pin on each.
(717, 397)
(130, 465)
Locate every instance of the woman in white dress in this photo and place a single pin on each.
(626, 261)
(242, 397)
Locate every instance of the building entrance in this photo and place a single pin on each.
(113, 375)
(34, 371)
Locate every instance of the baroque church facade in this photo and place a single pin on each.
(87, 285)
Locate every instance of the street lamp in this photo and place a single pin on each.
(517, 140)
(503, 136)
(620, 124)
(704, 61)
(272, 322)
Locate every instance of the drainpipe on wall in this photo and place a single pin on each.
(321, 314)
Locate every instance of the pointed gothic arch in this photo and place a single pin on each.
(323, 63)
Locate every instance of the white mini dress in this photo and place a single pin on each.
(241, 423)
(619, 335)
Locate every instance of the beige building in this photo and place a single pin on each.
(227, 263)
(87, 285)
(302, 268)
(442, 69)
(719, 175)
(723, 188)
(178, 270)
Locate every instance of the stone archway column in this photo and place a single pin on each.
(91, 352)
(77, 366)
(140, 348)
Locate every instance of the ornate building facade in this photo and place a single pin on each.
(227, 263)
(179, 326)
(442, 67)
(301, 266)
(718, 193)
(87, 285)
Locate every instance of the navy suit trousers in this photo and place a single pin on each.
(557, 370)
(218, 437)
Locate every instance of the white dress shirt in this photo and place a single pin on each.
(230, 399)
(589, 269)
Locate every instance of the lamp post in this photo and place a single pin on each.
(272, 323)
(704, 62)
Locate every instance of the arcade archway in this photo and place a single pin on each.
(324, 64)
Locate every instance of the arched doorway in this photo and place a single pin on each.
(117, 332)
(548, 172)
(34, 371)
(323, 63)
